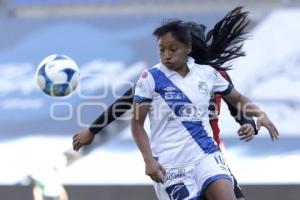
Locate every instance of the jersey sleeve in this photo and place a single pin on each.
(221, 86)
(144, 88)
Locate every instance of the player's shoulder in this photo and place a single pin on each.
(207, 69)
(155, 67)
(147, 74)
(154, 70)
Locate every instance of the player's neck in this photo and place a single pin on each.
(183, 71)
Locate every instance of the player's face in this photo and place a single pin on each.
(173, 53)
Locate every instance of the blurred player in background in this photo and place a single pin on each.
(45, 179)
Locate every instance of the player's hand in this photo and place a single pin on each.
(84, 137)
(155, 170)
(246, 132)
(263, 120)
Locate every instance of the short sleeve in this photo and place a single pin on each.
(221, 86)
(144, 88)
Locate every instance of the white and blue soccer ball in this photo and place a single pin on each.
(57, 75)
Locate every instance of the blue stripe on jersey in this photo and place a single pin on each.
(140, 99)
(163, 85)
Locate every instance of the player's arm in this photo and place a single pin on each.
(63, 193)
(241, 117)
(248, 129)
(118, 108)
(242, 103)
(153, 168)
(248, 126)
(142, 99)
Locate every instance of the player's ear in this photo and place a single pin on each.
(188, 49)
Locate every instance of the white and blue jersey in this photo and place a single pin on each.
(179, 120)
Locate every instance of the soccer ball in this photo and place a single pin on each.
(57, 75)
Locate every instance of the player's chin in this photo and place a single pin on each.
(170, 65)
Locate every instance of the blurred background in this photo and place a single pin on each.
(111, 42)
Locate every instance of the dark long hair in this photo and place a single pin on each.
(221, 44)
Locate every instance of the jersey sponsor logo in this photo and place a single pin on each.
(203, 88)
(173, 96)
(177, 191)
(171, 175)
(188, 112)
(170, 93)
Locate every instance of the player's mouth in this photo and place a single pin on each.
(168, 64)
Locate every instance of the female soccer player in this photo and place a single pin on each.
(124, 103)
(180, 153)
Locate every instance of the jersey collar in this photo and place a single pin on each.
(168, 72)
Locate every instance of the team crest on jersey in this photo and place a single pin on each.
(203, 88)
